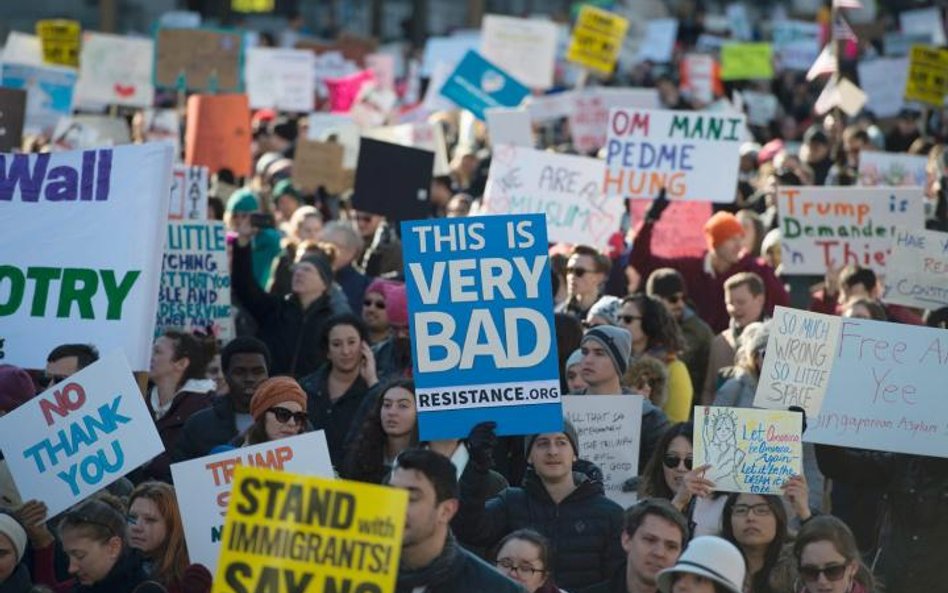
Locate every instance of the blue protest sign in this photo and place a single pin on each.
(477, 85)
(49, 93)
(480, 308)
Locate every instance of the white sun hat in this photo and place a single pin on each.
(711, 557)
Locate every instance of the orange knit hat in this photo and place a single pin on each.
(721, 227)
(274, 391)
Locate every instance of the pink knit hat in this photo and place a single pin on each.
(396, 300)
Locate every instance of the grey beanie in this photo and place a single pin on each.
(575, 358)
(618, 344)
(322, 265)
(568, 429)
(606, 307)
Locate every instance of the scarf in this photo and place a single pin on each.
(439, 571)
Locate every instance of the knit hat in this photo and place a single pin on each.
(243, 200)
(664, 282)
(284, 187)
(574, 359)
(618, 344)
(273, 391)
(606, 307)
(396, 305)
(711, 557)
(16, 387)
(568, 429)
(322, 265)
(11, 528)
(722, 227)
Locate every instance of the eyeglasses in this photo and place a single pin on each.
(524, 569)
(674, 461)
(833, 572)
(760, 510)
(380, 305)
(283, 415)
(627, 319)
(578, 272)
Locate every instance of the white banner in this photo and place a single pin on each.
(283, 79)
(84, 232)
(116, 70)
(524, 48)
(918, 270)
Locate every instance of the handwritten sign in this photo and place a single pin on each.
(525, 48)
(747, 61)
(271, 511)
(679, 232)
(319, 164)
(918, 269)
(926, 80)
(694, 155)
(280, 78)
(203, 485)
(609, 428)
(887, 390)
(824, 226)
(49, 93)
(798, 360)
(60, 41)
(188, 193)
(116, 70)
(749, 450)
(891, 169)
(198, 60)
(80, 435)
(700, 77)
(564, 187)
(597, 39)
(589, 115)
(481, 319)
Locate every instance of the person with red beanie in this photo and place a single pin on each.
(724, 258)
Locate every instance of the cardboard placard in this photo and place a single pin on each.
(393, 180)
(481, 321)
(525, 48)
(12, 118)
(279, 78)
(918, 270)
(218, 133)
(199, 59)
(747, 61)
(597, 39)
(116, 70)
(926, 80)
(319, 164)
(59, 39)
(80, 435)
(476, 85)
(189, 188)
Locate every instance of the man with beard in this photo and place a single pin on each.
(432, 561)
(654, 536)
(246, 364)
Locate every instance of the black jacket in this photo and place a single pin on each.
(616, 584)
(206, 429)
(294, 336)
(18, 582)
(915, 544)
(466, 574)
(584, 529)
(335, 418)
(123, 578)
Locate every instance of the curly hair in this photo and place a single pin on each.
(365, 461)
(659, 326)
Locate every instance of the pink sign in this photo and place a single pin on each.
(680, 231)
(343, 91)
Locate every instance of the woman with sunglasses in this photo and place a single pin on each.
(524, 556)
(828, 559)
(278, 408)
(656, 333)
(390, 428)
(155, 530)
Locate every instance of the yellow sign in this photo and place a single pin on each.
(252, 5)
(286, 532)
(928, 75)
(60, 40)
(597, 39)
(747, 61)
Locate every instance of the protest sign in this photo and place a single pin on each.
(799, 360)
(693, 155)
(163, 125)
(918, 269)
(738, 22)
(447, 50)
(555, 106)
(331, 65)
(509, 126)
(23, 48)
(83, 282)
(373, 105)
(883, 80)
(180, 19)
(393, 180)
(344, 91)
(252, 5)
(927, 82)
(319, 164)
(924, 21)
(433, 100)
(796, 44)
(597, 39)
(892, 169)
(80, 435)
(481, 319)
(525, 48)
(337, 127)
(203, 485)
(679, 232)
(749, 450)
(747, 61)
(567, 188)
(12, 116)
(900, 44)
(188, 193)
(887, 390)
(70, 134)
(609, 428)
(824, 227)
(839, 92)
(354, 532)
(199, 60)
(195, 280)
(218, 133)
(700, 77)
(111, 130)
(761, 107)
(280, 78)
(116, 70)
(425, 136)
(60, 41)
(659, 41)
(589, 116)
(383, 68)
(49, 93)
(476, 85)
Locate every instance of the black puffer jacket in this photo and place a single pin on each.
(206, 429)
(584, 529)
(294, 336)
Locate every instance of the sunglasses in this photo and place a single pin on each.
(627, 319)
(578, 272)
(833, 572)
(674, 461)
(380, 305)
(283, 415)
